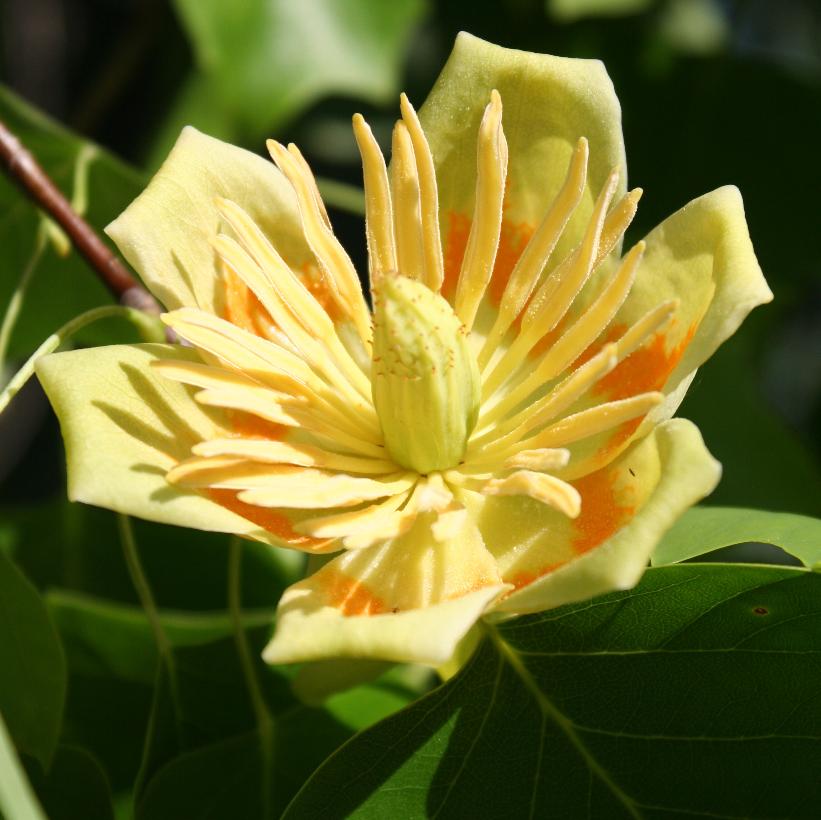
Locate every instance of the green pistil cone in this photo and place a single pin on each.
(425, 378)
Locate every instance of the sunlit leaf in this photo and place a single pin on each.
(704, 529)
(33, 677)
(267, 60)
(611, 708)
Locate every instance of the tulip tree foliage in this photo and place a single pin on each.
(442, 516)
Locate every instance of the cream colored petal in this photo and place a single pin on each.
(165, 233)
(124, 427)
(673, 470)
(408, 600)
(550, 102)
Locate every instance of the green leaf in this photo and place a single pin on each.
(267, 60)
(60, 287)
(695, 694)
(218, 731)
(17, 800)
(704, 529)
(87, 558)
(106, 638)
(567, 11)
(33, 680)
(220, 780)
(75, 787)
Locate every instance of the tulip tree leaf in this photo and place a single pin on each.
(75, 787)
(693, 695)
(266, 60)
(704, 529)
(60, 287)
(104, 637)
(218, 731)
(33, 677)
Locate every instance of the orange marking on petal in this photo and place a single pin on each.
(526, 578)
(247, 425)
(612, 334)
(348, 595)
(603, 511)
(457, 240)
(616, 441)
(317, 285)
(513, 239)
(647, 368)
(242, 308)
(548, 340)
(269, 520)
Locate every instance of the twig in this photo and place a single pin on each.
(21, 166)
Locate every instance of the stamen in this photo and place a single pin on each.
(293, 293)
(428, 197)
(316, 353)
(535, 256)
(595, 420)
(564, 285)
(349, 524)
(241, 350)
(260, 359)
(378, 208)
(311, 179)
(406, 204)
(585, 330)
(562, 396)
(207, 376)
(312, 489)
(321, 421)
(649, 324)
(282, 452)
(538, 460)
(580, 335)
(483, 242)
(540, 486)
(616, 223)
(331, 256)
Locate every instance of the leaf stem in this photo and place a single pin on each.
(147, 324)
(16, 302)
(265, 723)
(149, 605)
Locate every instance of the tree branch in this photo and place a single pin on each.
(21, 166)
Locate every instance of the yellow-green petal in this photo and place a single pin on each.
(702, 259)
(703, 249)
(549, 103)
(680, 472)
(166, 232)
(411, 599)
(124, 426)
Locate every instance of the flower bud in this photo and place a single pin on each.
(425, 378)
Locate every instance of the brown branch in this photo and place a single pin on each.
(21, 166)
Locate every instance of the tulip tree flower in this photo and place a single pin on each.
(494, 436)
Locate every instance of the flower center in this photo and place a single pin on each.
(425, 379)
